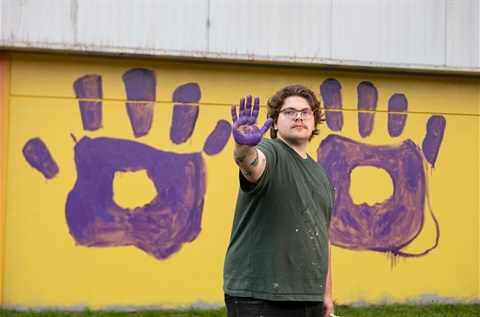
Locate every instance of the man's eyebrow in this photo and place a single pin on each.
(290, 108)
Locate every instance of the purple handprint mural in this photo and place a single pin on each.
(393, 224)
(173, 217)
(160, 227)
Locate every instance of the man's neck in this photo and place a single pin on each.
(300, 147)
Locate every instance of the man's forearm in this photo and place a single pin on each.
(250, 160)
(246, 157)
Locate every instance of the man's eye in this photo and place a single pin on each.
(305, 112)
(289, 113)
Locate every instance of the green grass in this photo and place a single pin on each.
(430, 310)
(427, 310)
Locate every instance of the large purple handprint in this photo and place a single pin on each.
(393, 224)
(173, 216)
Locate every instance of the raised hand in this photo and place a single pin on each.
(245, 130)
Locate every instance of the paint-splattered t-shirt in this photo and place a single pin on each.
(279, 242)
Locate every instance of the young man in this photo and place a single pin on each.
(278, 259)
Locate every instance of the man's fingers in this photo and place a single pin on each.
(256, 107)
(234, 113)
(241, 111)
(245, 112)
(248, 106)
(266, 126)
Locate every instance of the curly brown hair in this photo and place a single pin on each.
(275, 103)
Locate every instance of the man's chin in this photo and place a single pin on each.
(295, 138)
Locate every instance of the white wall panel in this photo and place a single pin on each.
(410, 34)
(37, 23)
(297, 31)
(134, 26)
(405, 32)
(144, 26)
(463, 33)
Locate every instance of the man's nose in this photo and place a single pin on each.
(298, 115)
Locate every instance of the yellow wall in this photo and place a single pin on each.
(44, 266)
(4, 75)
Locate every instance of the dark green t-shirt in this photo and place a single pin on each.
(279, 242)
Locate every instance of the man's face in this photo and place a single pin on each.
(296, 121)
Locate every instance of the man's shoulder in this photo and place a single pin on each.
(270, 142)
(269, 145)
(266, 141)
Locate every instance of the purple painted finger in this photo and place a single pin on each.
(90, 87)
(331, 93)
(217, 140)
(234, 113)
(266, 126)
(241, 110)
(248, 106)
(187, 93)
(38, 156)
(396, 122)
(434, 137)
(140, 86)
(184, 119)
(256, 107)
(367, 101)
(184, 115)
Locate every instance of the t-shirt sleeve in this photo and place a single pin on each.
(267, 147)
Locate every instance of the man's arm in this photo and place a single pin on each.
(328, 301)
(250, 160)
(247, 135)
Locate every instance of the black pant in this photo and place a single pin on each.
(254, 307)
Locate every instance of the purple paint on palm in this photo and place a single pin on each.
(330, 90)
(367, 102)
(396, 121)
(160, 227)
(140, 86)
(89, 87)
(38, 156)
(184, 116)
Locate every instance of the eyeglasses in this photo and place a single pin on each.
(292, 113)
